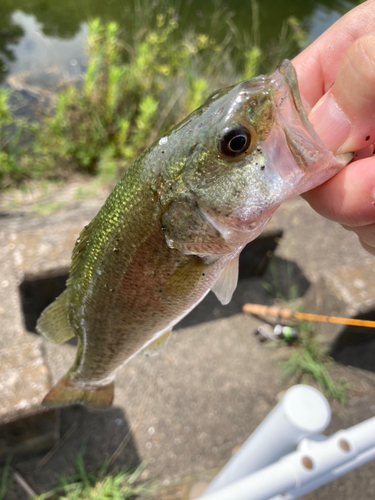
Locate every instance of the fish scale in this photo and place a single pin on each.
(173, 227)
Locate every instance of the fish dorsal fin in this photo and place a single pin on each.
(226, 283)
(53, 324)
(80, 246)
(156, 346)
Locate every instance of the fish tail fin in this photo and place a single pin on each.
(67, 391)
(53, 323)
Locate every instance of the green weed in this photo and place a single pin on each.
(308, 361)
(4, 478)
(85, 485)
(48, 208)
(135, 87)
(281, 280)
(15, 136)
(128, 96)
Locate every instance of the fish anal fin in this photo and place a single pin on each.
(53, 323)
(226, 283)
(67, 392)
(157, 345)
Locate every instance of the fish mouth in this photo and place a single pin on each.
(303, 142)
(289, 108)
(286, 69)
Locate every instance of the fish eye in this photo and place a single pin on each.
(235, 141)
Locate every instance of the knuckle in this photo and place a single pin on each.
(361, 57)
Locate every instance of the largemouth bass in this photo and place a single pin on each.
(175, 224)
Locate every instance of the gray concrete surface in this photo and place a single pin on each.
(23, 372)
(185, 411)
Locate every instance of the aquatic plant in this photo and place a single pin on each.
(135, 87)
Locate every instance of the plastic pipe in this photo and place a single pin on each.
(361, 438)
(311, 466)
(302, 412)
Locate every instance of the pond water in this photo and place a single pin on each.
(45, 38)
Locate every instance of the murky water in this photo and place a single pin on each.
(45, 38)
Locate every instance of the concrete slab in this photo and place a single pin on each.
(185, 411)
(23, 373)
(24, 376)
(324, 249)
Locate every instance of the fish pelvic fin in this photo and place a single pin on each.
(227, 282)
(53, 323)
(67, 392)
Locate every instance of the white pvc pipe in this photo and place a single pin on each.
(313, 464)
(362, 459)
(302, 412)
(269, 481)
(361, 438)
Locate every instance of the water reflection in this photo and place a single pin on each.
(45, 58)
(321, 19)
(42, 37)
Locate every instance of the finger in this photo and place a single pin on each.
(344, 117)
(349, 197)
(317, 66)
(365, 152)
(368, 248)
(366, 235)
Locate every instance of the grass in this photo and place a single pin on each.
(282, 280)
(308, 362)
(84, 485)
(307, 359)
(118, 484)
(4, 478)
(135, 87)
(48, 208)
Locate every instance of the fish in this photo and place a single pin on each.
(174, 225)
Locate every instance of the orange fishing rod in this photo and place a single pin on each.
(260, 310)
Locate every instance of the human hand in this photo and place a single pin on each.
(336, 75)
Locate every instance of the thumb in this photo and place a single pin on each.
(344, 118)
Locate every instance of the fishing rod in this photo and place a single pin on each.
(284, 313)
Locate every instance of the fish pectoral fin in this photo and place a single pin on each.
(187, 229)
(53, 323)
(226, 283)
(68, 392)
(157, 345)
(186, 277)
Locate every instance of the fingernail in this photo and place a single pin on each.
(330, 123)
